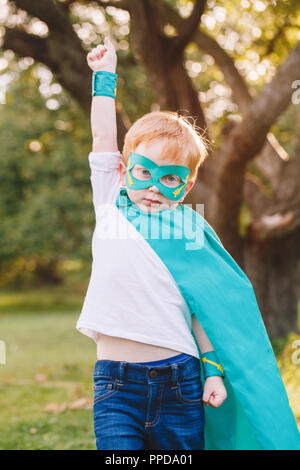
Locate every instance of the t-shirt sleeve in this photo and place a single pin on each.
(105, 177)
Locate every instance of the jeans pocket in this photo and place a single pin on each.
(190, 390)
(104, 387)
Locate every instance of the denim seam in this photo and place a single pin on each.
(111, 392)
(186, 400)
(108, 377)
(147, 400)
(155, 421)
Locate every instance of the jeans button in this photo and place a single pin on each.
(153, 373)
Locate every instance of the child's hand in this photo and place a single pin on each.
(103, 57)
(214, 391)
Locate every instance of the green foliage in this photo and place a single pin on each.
(45, 193)
(134, 90)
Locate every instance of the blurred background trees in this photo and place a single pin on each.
(45, 202)
(233, 66)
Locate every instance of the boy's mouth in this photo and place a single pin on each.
(151, 201)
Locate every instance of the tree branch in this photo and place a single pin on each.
(281, 30)
(231, 74)
(122, 4)
(61, 51)
(60, 57)
(48, 11)
(271, 45)
(210, 46)
(67, 4)
(272, 100)
(25, 44)
(187, 28)
(245, 140)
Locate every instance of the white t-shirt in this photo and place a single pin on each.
(131, 293)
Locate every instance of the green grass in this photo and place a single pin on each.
(38, 328)
(45, 342)
(43, 299)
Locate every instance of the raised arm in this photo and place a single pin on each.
(103, 110)
(105, 158)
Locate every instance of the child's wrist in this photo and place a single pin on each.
(104, 83)
(214, 377)
(107, 69)
(211, 365)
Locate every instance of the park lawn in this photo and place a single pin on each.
(46, 384)
(48, 364)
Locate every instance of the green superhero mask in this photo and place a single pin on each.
(171, 180)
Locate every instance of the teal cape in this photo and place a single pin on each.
(256, 413)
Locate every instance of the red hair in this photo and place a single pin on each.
(181, 140)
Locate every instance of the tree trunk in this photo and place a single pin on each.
(273, 269)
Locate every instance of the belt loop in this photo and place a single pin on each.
(122, 371)
(174, 376)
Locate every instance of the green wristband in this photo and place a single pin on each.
(104, 83)
(211, 365)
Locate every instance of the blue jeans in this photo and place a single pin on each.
(155, 406)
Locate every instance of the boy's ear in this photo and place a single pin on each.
(122, 169)
(187, 189)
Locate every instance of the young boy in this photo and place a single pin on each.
(140, 302)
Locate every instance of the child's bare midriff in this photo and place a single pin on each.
(114, 348)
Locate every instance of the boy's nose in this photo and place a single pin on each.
(154, 189)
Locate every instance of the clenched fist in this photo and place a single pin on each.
(103, 57)
(214, 391)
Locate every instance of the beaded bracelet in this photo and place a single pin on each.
(104, 83)
(211, 365)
